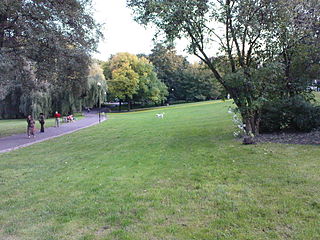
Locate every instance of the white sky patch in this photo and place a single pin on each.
(122, 33)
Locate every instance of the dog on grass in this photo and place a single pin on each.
(160, 115)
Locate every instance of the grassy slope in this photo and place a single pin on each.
(15, 126)
(139, 177)
(317, 96)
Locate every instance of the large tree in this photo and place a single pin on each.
(298, 44)
(130, 78)
(151, 89)
(95, 94)
(122, 79)
(45, 47)
(197, 83)
(169, 67)
(245, 31)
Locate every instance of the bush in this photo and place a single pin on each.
(292, 114)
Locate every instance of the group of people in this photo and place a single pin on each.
(31, 123)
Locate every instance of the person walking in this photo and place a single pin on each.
(31, 126)
(57, 116)
(42, 122)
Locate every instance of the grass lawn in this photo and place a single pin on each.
(317, 97)
(15, 126)
(181, 177)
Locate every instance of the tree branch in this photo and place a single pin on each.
(229, 47)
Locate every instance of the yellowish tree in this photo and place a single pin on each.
(124, 81)
(133, 79)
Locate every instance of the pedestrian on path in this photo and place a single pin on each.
(42, 122)
(31, 126)
(16, 141)
(57, 116)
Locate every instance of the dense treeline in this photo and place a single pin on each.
(45, 64)
(45, 51)
(185, 81)
(158, 78)
(268, 54)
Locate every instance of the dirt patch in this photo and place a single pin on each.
(310, 138)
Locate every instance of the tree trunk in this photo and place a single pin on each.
(120, 105)
(128, 100)
(252, 121)
(250, 117)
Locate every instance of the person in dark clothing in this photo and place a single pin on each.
(42, 122)
(31, 126)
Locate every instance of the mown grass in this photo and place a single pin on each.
(181, 177)
(317, 97)
(16, 126)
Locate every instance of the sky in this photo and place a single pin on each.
(122, 33)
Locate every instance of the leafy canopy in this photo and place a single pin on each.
(132, 78)
(45, 49)
(248, 33)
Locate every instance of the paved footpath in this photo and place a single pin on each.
(21, 140)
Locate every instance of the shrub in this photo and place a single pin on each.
(291, 114)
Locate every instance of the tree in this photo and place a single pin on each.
(151, 89)
(185, 81)
(124, 80)
(45, 50)
(245, 33)
(198, 84)
(298, 44)
(96, 89)
(290, 108)
(131, 78)
(168, 66)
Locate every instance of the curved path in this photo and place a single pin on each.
(21, 140)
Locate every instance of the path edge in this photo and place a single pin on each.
(49, 138)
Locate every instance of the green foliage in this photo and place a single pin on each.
(133, 79)
(196, 83)
(169, 68)
(96, 86)
(251, 35)
(317, 98)
(151, 89)
(124, 80)
(291, 114)
(185, 81)
(45, 51)
(50, 98)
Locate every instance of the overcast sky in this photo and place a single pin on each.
(122, 33)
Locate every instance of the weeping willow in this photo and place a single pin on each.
(32, 98)
(96, 87)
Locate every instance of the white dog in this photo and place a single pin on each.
(160, 115)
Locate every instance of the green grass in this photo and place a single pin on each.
(15, 126)
(181, 177)
(317, 97)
